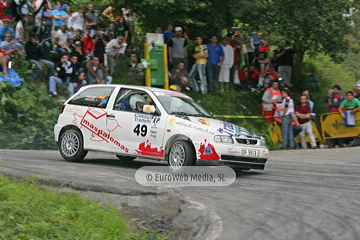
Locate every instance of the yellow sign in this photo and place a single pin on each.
(276, 136)
(331, 125)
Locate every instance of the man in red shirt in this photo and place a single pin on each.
(253, 76)
(88, 46)
(264, 45)
(303, 112)
(334, 99)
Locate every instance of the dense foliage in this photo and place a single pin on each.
(313, 26)
(27, 113)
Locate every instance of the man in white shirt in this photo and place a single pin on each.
(78, 21)
(288, 111)
(19, 31)
(62, 39)
(114, 49)
(224, 76)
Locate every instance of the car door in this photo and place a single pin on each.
(139, 133)
(91, 119)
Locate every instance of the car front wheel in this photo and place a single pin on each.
(72, 146)
(181, 154)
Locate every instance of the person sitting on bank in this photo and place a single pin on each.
(96, 72)
(180, 77)
(66, 74)
(350, 104)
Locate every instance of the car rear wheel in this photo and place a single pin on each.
(71, 145)
(181, 154)
(125, 158)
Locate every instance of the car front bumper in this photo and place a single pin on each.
(232, 156)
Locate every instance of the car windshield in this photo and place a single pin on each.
(178, 105)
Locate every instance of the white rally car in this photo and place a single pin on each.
(135, 121)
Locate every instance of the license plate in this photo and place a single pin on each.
(250, 152)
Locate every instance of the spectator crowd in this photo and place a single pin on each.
(107, 37)
(89, 43)
(295, 120)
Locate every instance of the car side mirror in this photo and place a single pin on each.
(149, 109)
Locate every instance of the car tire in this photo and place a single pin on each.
(71, 145)
(125, 158)
(181, 154)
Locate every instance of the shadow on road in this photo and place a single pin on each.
(138, 163)
(250, 173)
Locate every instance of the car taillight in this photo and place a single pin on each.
(62, 109)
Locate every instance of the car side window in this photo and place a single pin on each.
(93, 97)
(131, 100)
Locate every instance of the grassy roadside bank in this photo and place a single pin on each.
(28, 211)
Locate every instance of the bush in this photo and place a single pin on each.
(27, 113)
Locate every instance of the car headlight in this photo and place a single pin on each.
(223, 139)
(262, 142)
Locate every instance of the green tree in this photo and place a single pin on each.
(203, 17)
(314, 26)
(352, 56)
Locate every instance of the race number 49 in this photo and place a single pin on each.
(140, 130)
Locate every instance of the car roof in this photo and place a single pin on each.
(153, 89)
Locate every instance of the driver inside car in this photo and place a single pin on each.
(137, 103)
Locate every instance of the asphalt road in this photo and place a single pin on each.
(301, 194)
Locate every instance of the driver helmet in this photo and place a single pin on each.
(134, 100)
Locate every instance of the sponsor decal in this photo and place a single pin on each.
(203, 121)
(195, 127)
(207, 151)
(92, 120)
(145, 125)
(232, 151)
(234, 130)
(101, 100)
(156, 120)
(265, 153)
(146, 149)
(72, 108)
(228, 128)
(154, 127)
(174, 94)
(172, 121)
(90, 98)
(142, 118)
(104, 101)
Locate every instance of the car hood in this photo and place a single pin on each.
(222, 127)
